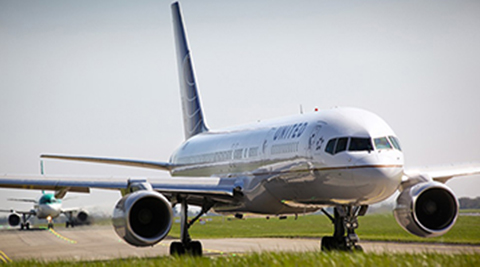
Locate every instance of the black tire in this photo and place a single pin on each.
(67, 224)
(328, 243)
(196, 248)
(22, 225)
(177, 249)
(27, 226)
(358, 248)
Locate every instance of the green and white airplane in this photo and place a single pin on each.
(46, 207)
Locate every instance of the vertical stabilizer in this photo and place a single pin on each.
(193, 120)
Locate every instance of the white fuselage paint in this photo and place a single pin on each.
(281, 165)
(48, 210)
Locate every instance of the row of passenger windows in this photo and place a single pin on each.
(338, 145)
(220, 156)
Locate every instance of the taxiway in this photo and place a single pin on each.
(101, 242)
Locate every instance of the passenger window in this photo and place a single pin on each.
(341, 144)
(395, 142)
(382, 143)
(360, 144)
(330, 146)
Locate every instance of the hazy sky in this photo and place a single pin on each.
(99, 77)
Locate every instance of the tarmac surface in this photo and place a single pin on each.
(101, 242)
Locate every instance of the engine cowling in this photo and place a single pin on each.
(427, 209)
(143, 218)
(82, 217)
(13, 219)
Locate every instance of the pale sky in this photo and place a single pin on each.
(99, 78)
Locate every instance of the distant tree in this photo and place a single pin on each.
(469, 203)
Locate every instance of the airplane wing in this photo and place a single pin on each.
(445, 173)
(215, 188)
(30, 212)
(124, 162)
(23, 200)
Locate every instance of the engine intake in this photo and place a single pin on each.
(82, 216)
(143, 218)
(14, 219)
(427, 209)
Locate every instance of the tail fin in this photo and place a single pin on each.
(193, 120)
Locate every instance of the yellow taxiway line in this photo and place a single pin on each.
(4, 257)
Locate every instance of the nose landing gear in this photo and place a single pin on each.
(345, 221)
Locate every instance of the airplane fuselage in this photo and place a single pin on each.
(48, 210)
(284, 166)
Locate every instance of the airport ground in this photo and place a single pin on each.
(101, 242)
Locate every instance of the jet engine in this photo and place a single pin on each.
(82, 218)
(426, 209)
(143, 218)
(14, 219)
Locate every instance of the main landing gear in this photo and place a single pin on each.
(70, 220)
(186, 244)
(25, 224)
(345, 222)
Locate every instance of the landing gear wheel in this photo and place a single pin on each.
(345, 222)
(195, 248)
(50, 226)
(358, 248)
(27, 226)
(22, 226)
(327, 243)
(67, 224)
(177, 249)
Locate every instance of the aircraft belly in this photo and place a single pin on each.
(335, 187)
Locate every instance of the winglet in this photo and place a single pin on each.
(193, 119)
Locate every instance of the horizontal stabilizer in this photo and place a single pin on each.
(124, 162)
(22, 200)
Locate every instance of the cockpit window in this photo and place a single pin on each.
(341, 145)
(360, 144)
(338, 145)
(395, 142)
(330, 146)
(382, 143)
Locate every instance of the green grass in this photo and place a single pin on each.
(285, 259)
(381, 227)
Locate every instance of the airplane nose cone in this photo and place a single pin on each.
(378, 176)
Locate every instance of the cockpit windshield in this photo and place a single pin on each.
(382, 143)
(360, 144)
(390, 142)
(337, 145)
(48, 199)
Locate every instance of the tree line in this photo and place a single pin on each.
(469, 203)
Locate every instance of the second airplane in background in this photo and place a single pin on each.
(46, 207)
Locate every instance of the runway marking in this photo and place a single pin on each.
(62, 237)
(4, 257)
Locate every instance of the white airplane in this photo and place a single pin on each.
(46, 207)
(345, 158)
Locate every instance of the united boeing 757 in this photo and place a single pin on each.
(344, 158)
(46, 207)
